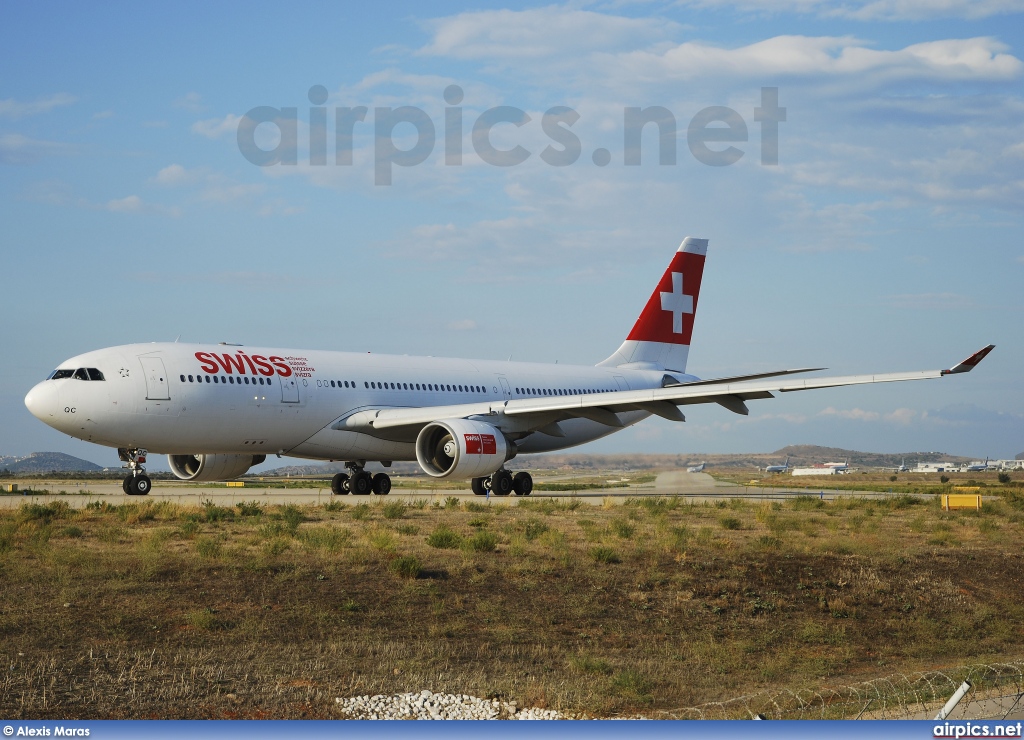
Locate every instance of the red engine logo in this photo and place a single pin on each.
(481, 444)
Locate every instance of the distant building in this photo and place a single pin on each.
(936, 467)
(815, 471)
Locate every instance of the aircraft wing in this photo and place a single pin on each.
(543, 414)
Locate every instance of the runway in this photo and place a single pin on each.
(696, 487)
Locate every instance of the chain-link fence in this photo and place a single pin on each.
(996, 693)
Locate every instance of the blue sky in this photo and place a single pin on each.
(889, 236)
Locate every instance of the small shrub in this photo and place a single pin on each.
(361, 511)
(188, 529)
(680, 536)
(249, 508)
(478, 522)
(213, 513)
(533, 530)
(633, 685)
(329, 539)
(406, 566)
(806, 503)
(482, 542)
(276, 546)
(334, 505)
(452, 503)
(208, 548)
(1004, 478)
(393, 510)
(73, 532)
(892, 478)
(382, 539)
(444, 538)
(587, 664)
(767, 542)
(292, 516)
(203, 619)
(623, 528)
(730, 522)
(45, 513)
(476, 507)
(604, 555)
(408, 529)
(944, 478)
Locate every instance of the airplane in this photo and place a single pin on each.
(976, 467)
(216, 410)
(842, 467)
(777, 468)
(901, 468)
(697, 468)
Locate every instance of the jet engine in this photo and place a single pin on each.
(202, 468)
(461, 448)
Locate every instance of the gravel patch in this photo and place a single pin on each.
(428, 705)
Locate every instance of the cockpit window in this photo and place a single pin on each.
(82, 373)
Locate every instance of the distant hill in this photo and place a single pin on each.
(47, 462)
(799, 455)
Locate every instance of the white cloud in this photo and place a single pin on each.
(173, 174)
(869, 10)
(12, 108)
(102, 115)
(856, 414)
(539, 33)
(129, 204)
(19, 149)
(214, 128)
(979, 58)
(193, 101)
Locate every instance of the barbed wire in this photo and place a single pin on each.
(997, 689)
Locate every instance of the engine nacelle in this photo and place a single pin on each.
(202, 468)
(460, 448)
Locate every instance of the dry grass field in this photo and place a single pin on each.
(158, 610)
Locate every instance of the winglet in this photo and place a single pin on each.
(967, 365)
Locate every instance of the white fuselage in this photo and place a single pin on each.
(175, 398)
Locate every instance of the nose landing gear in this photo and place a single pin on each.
(137, 483)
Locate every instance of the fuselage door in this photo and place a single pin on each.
(505, 389)
(156, 378)
(289, 389)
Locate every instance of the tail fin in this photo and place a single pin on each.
(660, 339)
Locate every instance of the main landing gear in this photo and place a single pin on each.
(502, 483)
(359, 482)
(137, 483)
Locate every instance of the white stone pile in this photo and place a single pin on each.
(428, 705)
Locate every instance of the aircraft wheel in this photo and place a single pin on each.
(140, 485)
(477, 484)
(361, 483)
(522, 483)
(126, 485)
(338, 484)
(381, 484)
(501, 483)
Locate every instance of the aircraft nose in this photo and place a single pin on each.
(42, 401)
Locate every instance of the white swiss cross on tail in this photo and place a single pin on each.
(661, 336)
(677, 303)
